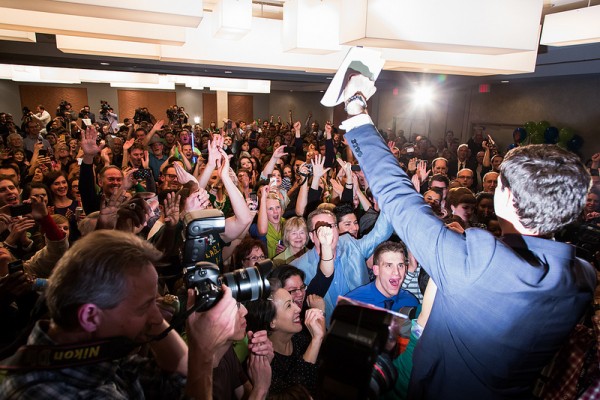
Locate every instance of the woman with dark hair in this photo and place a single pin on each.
(249, 252)
(295, 353)
(61, 201)
(246, 163)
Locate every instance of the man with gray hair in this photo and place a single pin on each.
(101, 301)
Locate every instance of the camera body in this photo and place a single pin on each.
(354, 362)
(204, 277)
(104, 107)
(246, 284)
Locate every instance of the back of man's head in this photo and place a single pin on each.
(87, 274)
(548, 184)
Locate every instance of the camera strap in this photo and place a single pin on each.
(49, 357)
(44, 357)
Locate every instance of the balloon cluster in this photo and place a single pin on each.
(542, 132)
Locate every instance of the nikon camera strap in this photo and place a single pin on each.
(42, 357)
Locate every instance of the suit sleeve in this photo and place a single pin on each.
(441, 251)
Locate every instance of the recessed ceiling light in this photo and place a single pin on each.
(504, 81)
(330, 77)
(228, 72)
(104, 63)
(321, 91)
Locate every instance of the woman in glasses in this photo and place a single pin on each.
(248, 252)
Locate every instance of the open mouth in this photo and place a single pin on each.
(395, 282)
(296, 319)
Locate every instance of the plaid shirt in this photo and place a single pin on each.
(133, 377)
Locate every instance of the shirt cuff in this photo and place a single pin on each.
(356, 121)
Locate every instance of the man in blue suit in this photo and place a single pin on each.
(504, 306)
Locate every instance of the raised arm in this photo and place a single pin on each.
(234, 226)
(157, 127)
(270, 166)
(213, 156)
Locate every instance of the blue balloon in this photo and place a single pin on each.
(511, 146)
(551, 135)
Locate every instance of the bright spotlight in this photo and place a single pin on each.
(423, 95)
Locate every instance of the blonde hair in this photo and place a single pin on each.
(293, 224)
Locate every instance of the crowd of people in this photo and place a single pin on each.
(337, 214)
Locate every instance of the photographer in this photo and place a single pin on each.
(108, 115)
(94, 297)
(143, 115)
(172, 114)
(42, 116)
(85, 113)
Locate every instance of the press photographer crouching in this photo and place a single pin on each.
(102, 305)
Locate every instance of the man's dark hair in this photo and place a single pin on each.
(439, 178)
(342, 210)
(386, 247)
(260, 314)
(549, 186)
(10, 164)
(136, 146)
(33, 185)
(484, 195)
(286, 271)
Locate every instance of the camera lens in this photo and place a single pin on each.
(246, 284)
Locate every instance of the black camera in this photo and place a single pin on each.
(354, 359)
(104, 106)
(246, 284)
(201, 227)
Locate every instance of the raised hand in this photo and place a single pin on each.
(88, 142)
(315, 323)
(146, 160)
(279, 152)
(171, 206)
(325, 235)
(412, 164)
(337, 187)
(422, 171)
(315, 301)
(318, 169)
(127, 145)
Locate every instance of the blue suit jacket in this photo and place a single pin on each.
(503, 307)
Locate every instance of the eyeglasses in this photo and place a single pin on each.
(171, 176)
(254, 258)
(302, 289)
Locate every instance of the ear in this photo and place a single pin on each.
(453, 209)
(89, 316)
(272, 325)
(375, 269)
